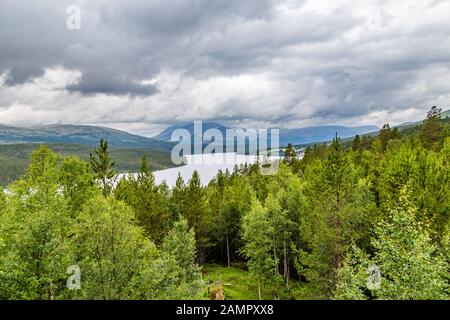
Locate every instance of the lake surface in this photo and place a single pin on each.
(207, 165)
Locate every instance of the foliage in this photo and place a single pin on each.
(257, 233)
(77, 182)
(411, 266)
(432, 128)
(147, 200)
(33, 230)
(102, 167)
(197, 213)
(14, 158)
(317, 229)
(110, 249)
(175, 274)
(339, 210)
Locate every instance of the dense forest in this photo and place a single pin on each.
(14, 158)
(365, 219)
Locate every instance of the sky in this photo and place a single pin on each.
(140, 66)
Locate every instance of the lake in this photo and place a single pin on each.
(207, 165)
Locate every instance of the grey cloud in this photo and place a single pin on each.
(91, 83)
(330, 66)
(22, 74)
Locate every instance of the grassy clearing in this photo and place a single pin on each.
(237, 283)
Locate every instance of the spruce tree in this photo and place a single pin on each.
(290, 154)
(103, 166)
(339, 210)
(198, 215)
(148, 201)
(178, 200)
(432, 128)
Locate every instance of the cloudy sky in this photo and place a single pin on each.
(141, 65)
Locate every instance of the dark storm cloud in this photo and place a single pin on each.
(260, 60)
(30, 38)
(120, 43)
(92, 83)
(22, 73)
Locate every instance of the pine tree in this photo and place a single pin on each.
(178, 200)
(198, 215)
(290, 154)
(432, 128)
(148, 201)
(102, 166)
(356, 143)
(386, 135)
(339, 210)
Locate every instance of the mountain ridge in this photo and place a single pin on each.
(78, 134)
(295, 136)
(90, 135)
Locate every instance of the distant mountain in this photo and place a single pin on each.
(321, 134)
(77, 134)
(297, 136)
(444, 115)
(166, 135)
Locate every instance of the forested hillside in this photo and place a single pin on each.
(363, 220)
(78, 134)
(14, 158)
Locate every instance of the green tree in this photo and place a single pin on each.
(33, 229)
(2, 201)
(228, 199)
(102, 166)
(356, 143)
(312, 154)
(257, 234)
(175, 274)
(180, 243)
(432, 128)
(411, 266)
(197, 213)
(111, 250)
(178, 199)
(281, 232)
(386, 135)
(339, 210)
(42, 172)
(147, 200)
(397, 168)
(77, 183)
(290, 154)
